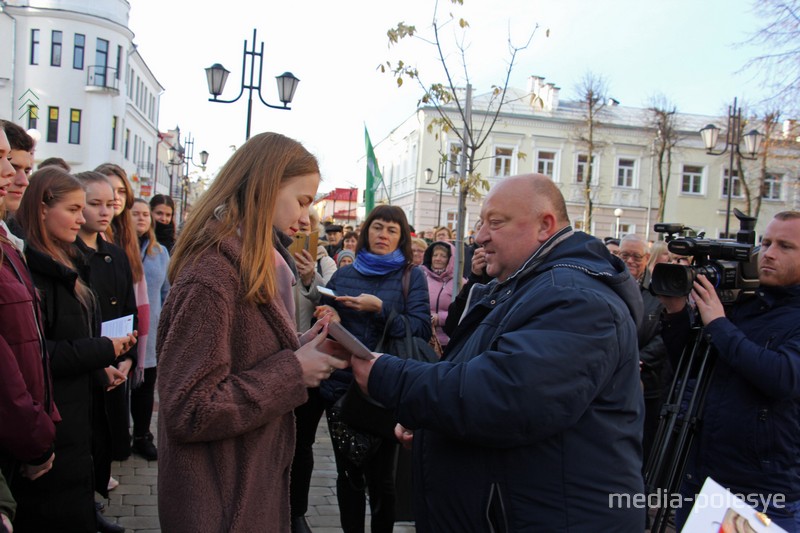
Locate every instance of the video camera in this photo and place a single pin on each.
(731, 266)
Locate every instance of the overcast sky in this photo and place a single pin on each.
(689, 50)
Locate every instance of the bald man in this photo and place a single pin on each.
(532, 420)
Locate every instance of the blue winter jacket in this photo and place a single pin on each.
(533, 420)
(368, 327)
(749, 440)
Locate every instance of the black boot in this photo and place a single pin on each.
(106, 526)
(299, 525)
(144, 446)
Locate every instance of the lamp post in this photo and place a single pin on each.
(617, 213)
(733, 138)
(180, 156)
(430, 180)
(216, 75)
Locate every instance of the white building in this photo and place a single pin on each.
(70, 70)
(539, 132)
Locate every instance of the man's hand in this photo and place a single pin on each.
(34, 472)
(7, 523)
(361, 370)
(708, 303)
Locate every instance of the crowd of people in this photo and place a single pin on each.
(553, 356)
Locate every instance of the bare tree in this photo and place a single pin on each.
(453, 104)
(663, 116)
(780, 66)
(592, 91)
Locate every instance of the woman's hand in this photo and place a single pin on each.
(405, 436)
(316, 360)
(365, 302)
(305, 266)
(114, 377)
(34, 472)
(123, 344)
(124, 366)
(322, 311)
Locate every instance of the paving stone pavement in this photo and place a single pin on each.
(134, 504)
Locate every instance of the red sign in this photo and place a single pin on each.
(146, 190)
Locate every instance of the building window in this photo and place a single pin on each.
(119, 61)
(581, 168)
(546, 163)
(114, 132)
(52, 125)
(692, 180)
(55, 49)
(127, 142)
(101, 63)
(77, 54)
(34, 47)
(736, 192)
(502, 161)
(75, 126)
(33, 117)
(772, 187)
(625, 172)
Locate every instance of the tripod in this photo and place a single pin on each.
(679, 419)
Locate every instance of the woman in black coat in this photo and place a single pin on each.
(51, 215)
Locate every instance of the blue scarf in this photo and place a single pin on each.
(370, 264)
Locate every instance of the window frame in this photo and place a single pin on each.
(56, 48)
(701, 175)
(550, 162)
(592, 168)
(631, 172)
(509, 159)
(34, 51)
(772, 184)
(52, 124)
(79, 51)
(74, 136)
(724, 183)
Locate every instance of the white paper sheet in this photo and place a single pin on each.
(118, 327)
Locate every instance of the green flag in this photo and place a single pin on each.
(374, 178)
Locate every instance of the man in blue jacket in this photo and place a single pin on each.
(532, 421)
(749, 440)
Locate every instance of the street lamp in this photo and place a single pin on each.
(217, 75)
(733, 138)
(430, 180)
(180, 156)
(618, 213)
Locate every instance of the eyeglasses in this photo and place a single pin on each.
(626, 255)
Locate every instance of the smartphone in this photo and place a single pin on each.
(346, 339)
(304, 241)
(325, 291)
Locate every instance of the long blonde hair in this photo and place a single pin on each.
(242, 198)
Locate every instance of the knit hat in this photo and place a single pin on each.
(342, 254)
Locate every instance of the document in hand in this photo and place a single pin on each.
(118, 327)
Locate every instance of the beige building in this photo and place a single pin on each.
(538, 132)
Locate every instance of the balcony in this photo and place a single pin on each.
(102, 79)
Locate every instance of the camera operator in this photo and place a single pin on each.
(749, 438)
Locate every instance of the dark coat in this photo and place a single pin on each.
(749, 440)
(111, 280)
(225, 426)
(27, 409)
(66, 494)
(652, 352)
(368, 327)
(535, 415)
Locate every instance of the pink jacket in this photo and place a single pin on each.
(440, 288)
